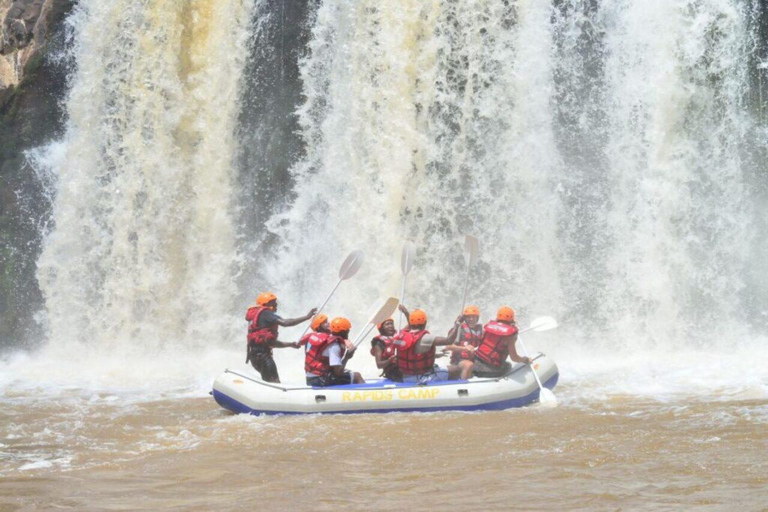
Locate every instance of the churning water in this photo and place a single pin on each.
(610, 156)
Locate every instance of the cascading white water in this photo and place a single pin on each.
(142, 250)
(679, 217)
(597, 150)
(426, 121)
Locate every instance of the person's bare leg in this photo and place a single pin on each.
(453, 371)
(467, 368)
(357, 378)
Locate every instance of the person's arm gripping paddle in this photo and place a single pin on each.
(290, 322)
(452, 335)
(513, 355)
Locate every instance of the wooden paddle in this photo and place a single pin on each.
(382, 312)
(349, 268)
(471, 252)
(406, 264)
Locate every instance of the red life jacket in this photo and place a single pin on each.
(493, 350)
(467, 336)
(258, 335)
(389, 348)
(314, 337)
(314, 360)
(408, 361)
(387, 343)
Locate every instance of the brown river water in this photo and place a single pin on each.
(103, 451)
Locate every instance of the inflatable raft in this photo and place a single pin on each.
(241, 393)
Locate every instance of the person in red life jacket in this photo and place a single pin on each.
(415, 349)
(263, 322)
(326, 358)
(320, 327)
(383, 349)
(469, 332)
(499, 338)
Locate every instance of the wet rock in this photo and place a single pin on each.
(22, 34)
(32, 86)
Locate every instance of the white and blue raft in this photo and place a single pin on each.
(243, 393)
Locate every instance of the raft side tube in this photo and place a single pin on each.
(241, 393)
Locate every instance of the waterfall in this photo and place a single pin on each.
(142, 251)
(608, 155)
(604, 153)
(419, 122)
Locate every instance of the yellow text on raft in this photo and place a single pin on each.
(379, 395)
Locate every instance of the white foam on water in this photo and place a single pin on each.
(119, 377)
(717, 374)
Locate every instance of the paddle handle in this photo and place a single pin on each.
(321, 308)
(402, 298)
(466, 288)
(363, 334)
(525, 353)
(360, 337)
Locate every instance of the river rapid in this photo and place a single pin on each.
(609, 155)
(671, 431)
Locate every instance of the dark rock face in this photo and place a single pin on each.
(31, 115)
(269, 132)
(20, 22)
(23, 30)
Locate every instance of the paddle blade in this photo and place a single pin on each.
(543, 323)
(351, 265)
(381, 311)
(385, 311)
(471, 249)
(406, 257)
(547, 398)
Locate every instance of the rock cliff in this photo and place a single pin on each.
(22, 34)
(32, 87)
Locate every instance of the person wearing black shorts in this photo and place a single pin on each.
(263, 323)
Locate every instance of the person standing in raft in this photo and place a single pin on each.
(499, 338)
(416, 350)
(263, 322)
(383, 349)
(325, 358)
(470, 334)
